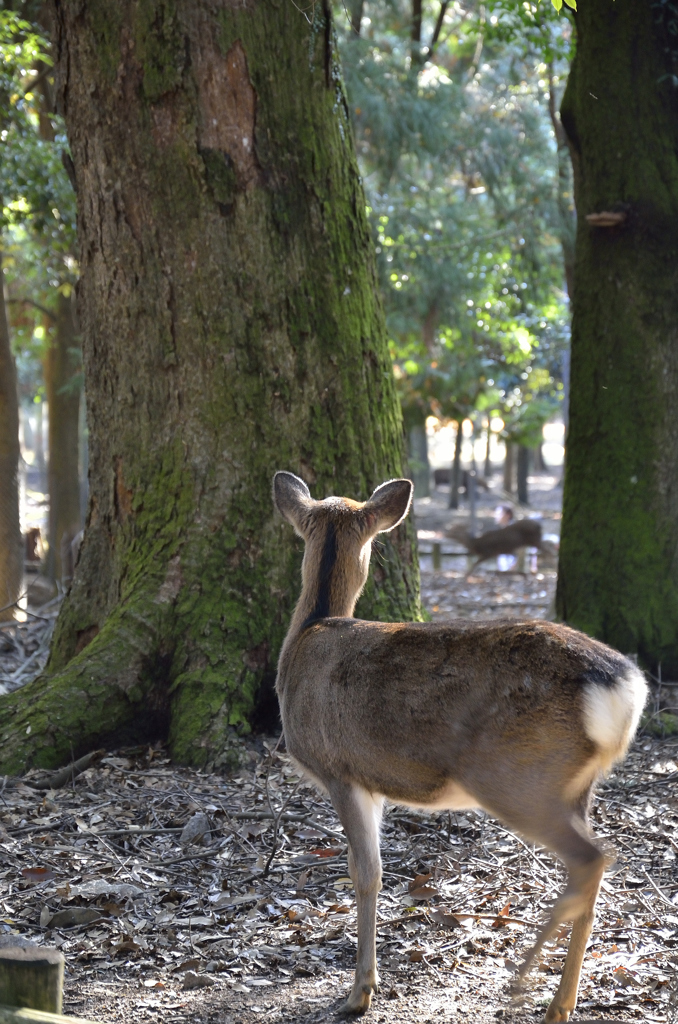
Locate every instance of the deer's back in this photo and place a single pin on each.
(383, 701)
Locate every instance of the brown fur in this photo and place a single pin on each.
(437, 715)
(526, 533)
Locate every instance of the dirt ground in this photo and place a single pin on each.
(151, 880)
(179, 895)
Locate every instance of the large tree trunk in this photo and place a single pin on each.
(618, 577)
(63, 479)
(231, 327)
(11, 555)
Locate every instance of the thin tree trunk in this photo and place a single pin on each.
(11, 554)
(40, 464)
(456, 469)
(539, 466)
(618, 572)
(356, 17)
(63, 399)
(231, 327)
(522, 472)
(487, 468)
(565, 200)
(418, 465)
(64, 411)
(509, 467)
(415, 32)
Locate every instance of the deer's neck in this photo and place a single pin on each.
(328, 590)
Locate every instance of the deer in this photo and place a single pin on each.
(517, 717)
(525, 533)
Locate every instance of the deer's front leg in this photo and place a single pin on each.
(360, 814)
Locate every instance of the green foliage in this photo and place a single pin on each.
(37, 208)
(22, 47)
(460, 163)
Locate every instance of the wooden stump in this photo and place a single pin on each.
(9, 1015)
(32, 977)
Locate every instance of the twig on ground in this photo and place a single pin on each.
(55, 780)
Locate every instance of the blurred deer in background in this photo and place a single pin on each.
(518, 718)
(525, 533)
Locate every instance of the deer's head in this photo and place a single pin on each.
(338, 534)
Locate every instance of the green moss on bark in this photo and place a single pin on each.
(618, 573)
(231, 328)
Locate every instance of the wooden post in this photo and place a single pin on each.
(31, 976)
(10, 1015)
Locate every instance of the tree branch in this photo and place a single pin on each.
(436, 31)
(36, 305)
(415, 31)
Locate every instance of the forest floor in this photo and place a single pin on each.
(179, 895)
(152, 881)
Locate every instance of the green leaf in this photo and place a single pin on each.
(557, 4)
(572, 4)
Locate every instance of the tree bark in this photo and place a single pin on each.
(356, 17)
(63, 479)
(231, 327)
(418, 465)
(509, 467)
(522, 473)
(487, 465)
(618, 574)
(456, 468)
(40, 464)
(11, 554)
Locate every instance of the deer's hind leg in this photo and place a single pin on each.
(565, 998)
(360, 814)
(567, 834)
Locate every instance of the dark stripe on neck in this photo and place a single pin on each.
(327, 562)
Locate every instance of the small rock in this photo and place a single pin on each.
(193, 980)
(74, 915)
(195, 828)
(105, 887)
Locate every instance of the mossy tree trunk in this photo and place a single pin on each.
(63, 397)
(618, 576)
(231, 327)
(11, 554)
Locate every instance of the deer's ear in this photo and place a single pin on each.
(389, 504)
(292, 499)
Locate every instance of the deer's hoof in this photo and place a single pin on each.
(354, 1007)
(557, 1012)
(360, 998)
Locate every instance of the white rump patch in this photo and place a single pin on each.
(612, 713)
